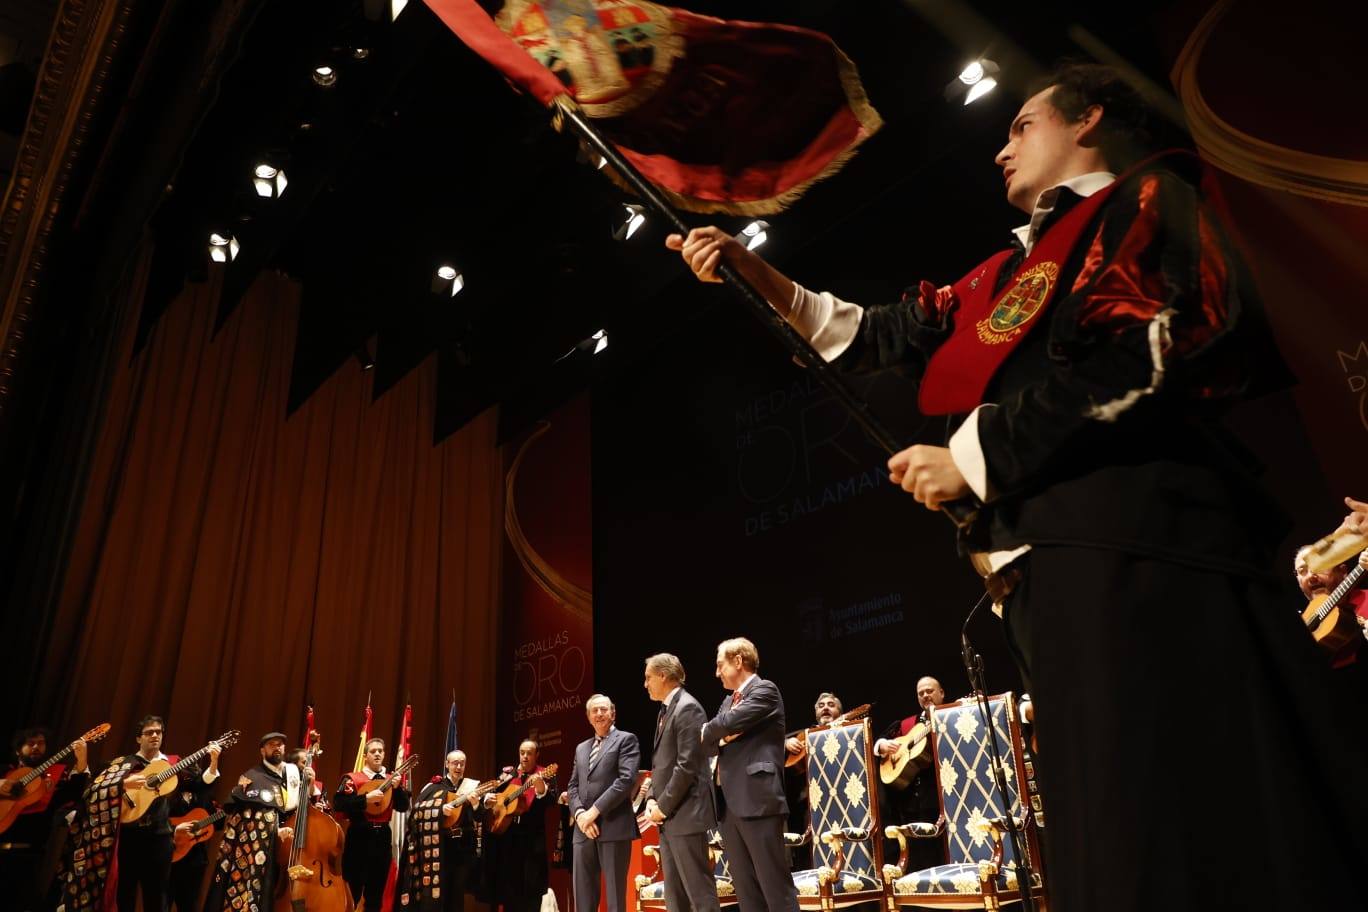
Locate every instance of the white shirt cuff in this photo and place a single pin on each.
(967, 453)
(210, 776)
(826, 321)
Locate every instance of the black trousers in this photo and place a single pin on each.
(758, 861)
(366, 863)
(187, 877)
(144, 864)
(1187, 729)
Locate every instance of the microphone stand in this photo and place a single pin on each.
(973, 668)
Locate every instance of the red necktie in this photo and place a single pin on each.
(736, 697)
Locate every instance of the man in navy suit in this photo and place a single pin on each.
(600, 788)
(681, 802)
(748, 735)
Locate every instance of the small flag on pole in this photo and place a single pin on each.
(365, 736)
(451, 742)
(398, 820)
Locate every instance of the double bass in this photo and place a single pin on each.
(312, 858)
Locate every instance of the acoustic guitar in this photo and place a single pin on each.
(456, 802)
(201, 830)
(913, 755)
(161, 778)
(506, 803)
(384, 787)
(1332, 626)
(853, 715)
(26, 785)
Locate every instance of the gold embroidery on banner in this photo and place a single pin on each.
(948, 777)
(814, 794)
(1019, 305)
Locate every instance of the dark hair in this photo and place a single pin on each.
(294, 755)
(1128, 127)
(147, 719)
(23, 734)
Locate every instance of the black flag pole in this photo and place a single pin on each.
(566, 112)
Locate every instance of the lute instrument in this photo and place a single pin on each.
(161, 778)
(201, 830)
(1331, 625)
(383, 789)
(26, 786)
(853, 715)
(507, 802)
(453, 809)
(913, 754)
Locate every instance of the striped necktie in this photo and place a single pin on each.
(594, 753)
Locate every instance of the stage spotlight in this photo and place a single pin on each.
(754, 234)
(325, 76)
(633, 217)
(364, 357)
(974, 81)
(448, 281)
(600, 341)
(360, 53)
(269, 181)
(397, 7)
(223, 248)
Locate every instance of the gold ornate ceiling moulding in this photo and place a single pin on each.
(1248, 157)
(86, 43)
(578, 600)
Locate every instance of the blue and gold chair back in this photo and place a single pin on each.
(964, 770)
(841, 797)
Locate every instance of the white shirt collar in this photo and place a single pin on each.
(744, 684)
(1083, 185)
(669, 697)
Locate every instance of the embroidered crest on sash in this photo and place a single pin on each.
(1018, 305)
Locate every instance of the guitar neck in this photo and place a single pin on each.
(45, 765)
(210, 820)
(1344, 588)
(180, 766)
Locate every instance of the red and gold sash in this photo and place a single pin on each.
(988, 328)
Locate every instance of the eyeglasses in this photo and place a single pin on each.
(151, 731)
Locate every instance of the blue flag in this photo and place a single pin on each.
(451, 744)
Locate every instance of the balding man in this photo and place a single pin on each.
(445, 886)
(600, 787)
(919, 801)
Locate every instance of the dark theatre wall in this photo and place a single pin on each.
(736, 499)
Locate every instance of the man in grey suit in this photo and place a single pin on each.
(600, 787)
(681, 801)
(748, 735)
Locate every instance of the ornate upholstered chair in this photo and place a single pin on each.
(650, 889)
(844, 819)
(983, 869)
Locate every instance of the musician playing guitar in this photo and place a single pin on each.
(918, 801)
(22, 847)
(146, 845)
(825, 710)
(368, 853)
(516, 861)
(1349, 660)
(455, 853)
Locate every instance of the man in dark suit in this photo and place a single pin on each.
(600, 789)
(747, 734)
(681, 801)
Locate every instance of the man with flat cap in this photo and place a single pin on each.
(264, 796)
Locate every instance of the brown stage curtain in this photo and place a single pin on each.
(231, 565)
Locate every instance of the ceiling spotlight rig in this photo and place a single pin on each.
(447, 281)
(754, 234)
(223, 247)
(630, 220)
(974, 81)
(269, 180)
